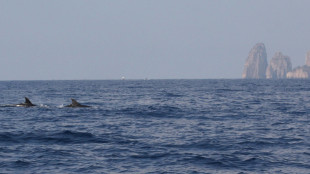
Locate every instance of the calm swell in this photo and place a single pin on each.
(156, 126)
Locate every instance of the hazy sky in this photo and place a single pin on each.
(108, 39)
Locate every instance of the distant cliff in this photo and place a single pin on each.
(256, 63)
(278, 67)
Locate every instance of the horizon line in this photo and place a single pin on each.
(146, 79)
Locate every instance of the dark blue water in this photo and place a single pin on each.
(156, 126)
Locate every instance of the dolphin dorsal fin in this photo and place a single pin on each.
(27, 101)
(74, 102)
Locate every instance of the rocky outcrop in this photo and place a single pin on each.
(256, 63)
(302, 72)
(299, 73)
(278, 67)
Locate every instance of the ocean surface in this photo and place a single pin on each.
(156, 126)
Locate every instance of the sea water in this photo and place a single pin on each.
(156, 126)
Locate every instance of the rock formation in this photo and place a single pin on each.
(278, 67)
(256, 63)
(302, 72)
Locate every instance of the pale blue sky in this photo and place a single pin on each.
(156, 39)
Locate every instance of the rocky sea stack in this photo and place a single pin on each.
(280, 66)
(302, 72)
(256, 63)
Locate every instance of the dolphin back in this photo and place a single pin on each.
(27, 101)
(76, 104)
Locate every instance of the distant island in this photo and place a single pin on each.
(280, 66)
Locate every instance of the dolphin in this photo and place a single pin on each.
(76, 104)
(26, 104)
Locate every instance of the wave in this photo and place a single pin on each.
(21, 163)
(152, 111)
(171, 94)
(146, 155)
(63, 137)
(228, 161)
